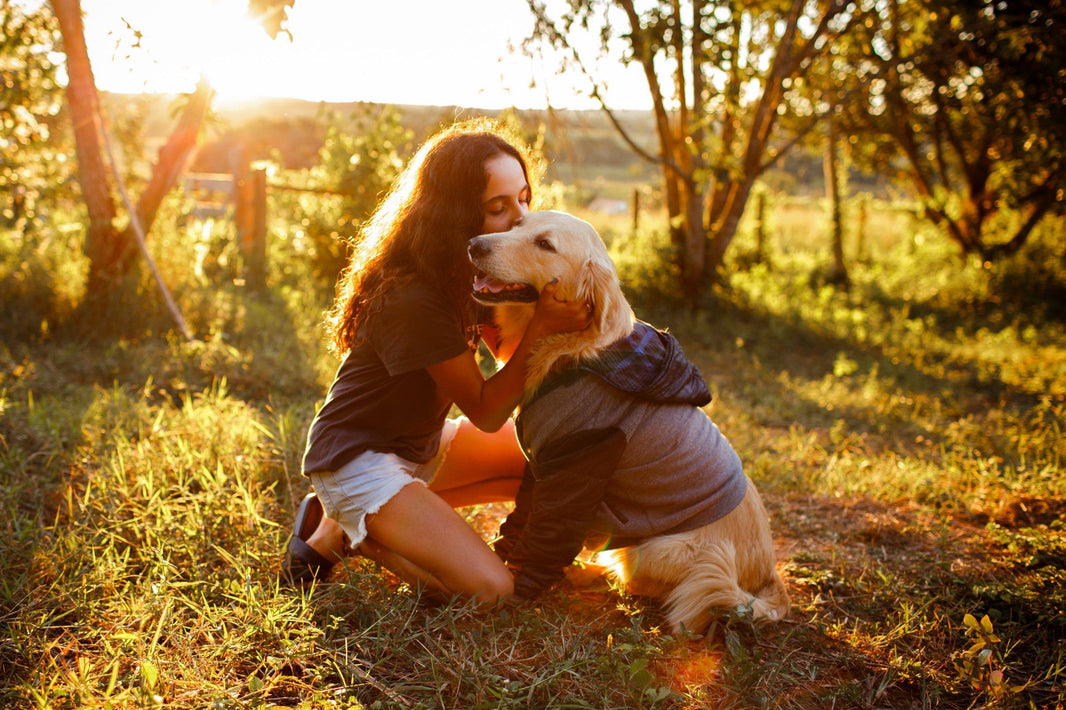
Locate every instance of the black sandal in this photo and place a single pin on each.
(303, 564)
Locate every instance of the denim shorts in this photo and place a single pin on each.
(370, 480)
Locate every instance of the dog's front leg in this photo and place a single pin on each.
(583, 574)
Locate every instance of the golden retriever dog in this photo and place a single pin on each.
(660, 493)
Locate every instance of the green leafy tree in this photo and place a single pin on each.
(31, 161)
(722, 76)
(966, 103)
(361, 154)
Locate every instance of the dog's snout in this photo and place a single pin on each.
(478, 247)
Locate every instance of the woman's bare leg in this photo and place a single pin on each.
(435, 545)
(400, 566)
(328, 539)
(480, 467)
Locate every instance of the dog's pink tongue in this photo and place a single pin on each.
(484, 283)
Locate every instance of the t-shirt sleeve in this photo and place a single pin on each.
(415, 328)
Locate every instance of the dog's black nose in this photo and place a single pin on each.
(478, 247)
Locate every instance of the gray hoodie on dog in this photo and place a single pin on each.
(619, 451)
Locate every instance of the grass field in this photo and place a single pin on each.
(907, 436)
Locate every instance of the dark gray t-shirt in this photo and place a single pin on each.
(382, 398)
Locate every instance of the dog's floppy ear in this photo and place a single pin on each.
(599, 287)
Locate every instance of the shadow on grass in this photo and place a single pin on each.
(39, 439)
(76, 412)
(895, 582)
(752, 355)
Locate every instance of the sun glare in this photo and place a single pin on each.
(166, 47)
(231, 53)
(421, 53)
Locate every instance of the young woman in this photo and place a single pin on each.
(388, 467)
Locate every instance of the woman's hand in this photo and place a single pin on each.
(554, 316)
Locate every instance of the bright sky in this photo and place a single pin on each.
(435, 52)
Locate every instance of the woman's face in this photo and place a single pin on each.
(506, 197)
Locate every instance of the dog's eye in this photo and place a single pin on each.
(544, 244)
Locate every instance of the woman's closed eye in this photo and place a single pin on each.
(499, 206)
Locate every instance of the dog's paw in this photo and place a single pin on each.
(583, 575)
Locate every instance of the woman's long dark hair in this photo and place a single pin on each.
(421, 229)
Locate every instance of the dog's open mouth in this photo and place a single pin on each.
(489, 290)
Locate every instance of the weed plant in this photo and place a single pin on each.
(906, 433)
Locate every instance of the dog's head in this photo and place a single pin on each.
(514, 266)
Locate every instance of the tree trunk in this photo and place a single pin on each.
(831, 168)
(695, 186)
(726, 207)
(860, 228)
(173, 157)
(103, 244)
(673, 176)
(693, 275)
(725, 228)
(113, 252)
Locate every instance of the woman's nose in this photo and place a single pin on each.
(520, 211)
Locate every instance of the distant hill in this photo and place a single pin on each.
(578, 144)
(583, 148)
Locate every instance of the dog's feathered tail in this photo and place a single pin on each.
(712, 583)
(699, 572)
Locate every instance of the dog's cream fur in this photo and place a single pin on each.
(728, 563)
(542, 247)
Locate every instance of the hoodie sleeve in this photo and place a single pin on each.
(511, 528)
(571, 475)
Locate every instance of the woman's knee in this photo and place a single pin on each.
(480, 577)
(492, 586)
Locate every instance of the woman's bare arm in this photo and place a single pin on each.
(489, 403)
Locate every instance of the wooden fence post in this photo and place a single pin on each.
(760, 226)
(860, 228)
(249, 214)
(636, 210)
(255, 256)
(241, 198)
